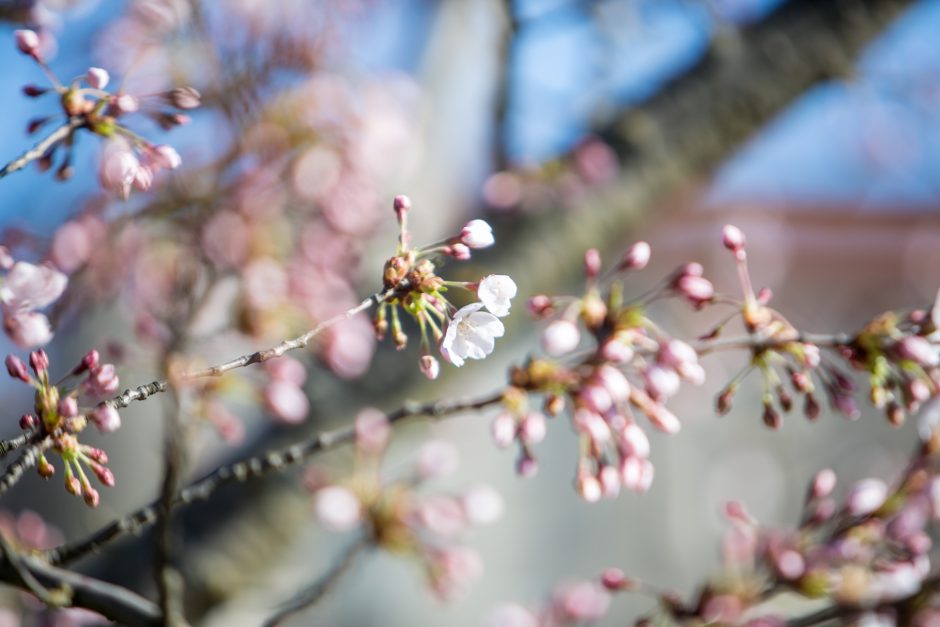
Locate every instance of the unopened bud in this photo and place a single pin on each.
(614, 580)
(636, 257)
(16, 368)
(34, 91)
(44, 468)
(811, 407)
(429, 367)
(184, 98)
(72, 484)
(35, 124)
(39, 360)
(401, 205)
(27, 42)
(772, 417)
(104, 474)
(89, 362)
(823, 484)
(866, 496)
(540, 306)
(68, 407)
(91, 496)
(592, 263)
(97, 77)
(28, 422)
(732, 238)
(458, 251)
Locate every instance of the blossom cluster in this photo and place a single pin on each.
(128, 160)
(58, 417)
(410, 279)
(398, 516)
(611, 388)
(24, 289)
(571, 604)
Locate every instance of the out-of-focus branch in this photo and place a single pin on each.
(40, 149)
(143, 392)
(114, 602)
(27, 459)
(317, 590)
(272, 461)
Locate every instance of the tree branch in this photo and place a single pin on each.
(27, 459)
(319, 588)
(113, 602)
(272, 461)
(44, 145)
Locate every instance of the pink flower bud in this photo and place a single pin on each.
(919, 350)
(90, 496)
(698, 290)
(437, 459)
(614, 580)
(27, 42)
(732, 238)
(503, 429)
(16, 368)
(34, 91)
(68, 407)
(560, 337)
(661, 382)
(592, 263)
(125, 103)
(28, 422)
(634, 442)
(97, 77)
(526, 466)
(590, 488)
(104, 474)
(102, 380)
(482, 505)
(402, 205)
(166, 156)
(596, 398)
(39, 361)
(583, 602)
(866, 496)
(609, 477)
(540, 306)
(429, 366)
(532, 429)
(614, 382)
(106, 418)
(823, 484)
(286, 401)
(616, 351)
(477, 234)
(636, 257)
(372, 430)
(443, 516)
(460, 252)
(338, 508)
(184, 98)
(790, 564)
(663, 419)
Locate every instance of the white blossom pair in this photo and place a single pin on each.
(472, 333)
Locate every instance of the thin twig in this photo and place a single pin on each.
(760, 341)
(169, 580)
(276, 460)
(40, 149)
(27, 459)
(111, 601)
(318, 589)
(143, 392)
(26, 578)
(14, 443)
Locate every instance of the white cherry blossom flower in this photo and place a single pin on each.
(471, 335)
(477, 234)
(495, 292)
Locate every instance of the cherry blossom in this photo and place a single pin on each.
(495, 292)
(25, 288)
(471, 334)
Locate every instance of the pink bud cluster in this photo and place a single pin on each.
(58, 416)
(401, 517)
(623, 379)
(868, 550)
(899, 352)
(24, 289)
(127, 159)
(283, 395)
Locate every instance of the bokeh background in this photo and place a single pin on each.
(810, 124)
